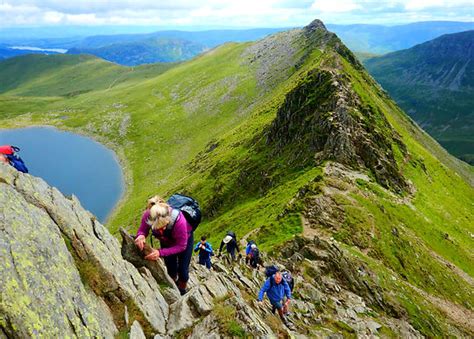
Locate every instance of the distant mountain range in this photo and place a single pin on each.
(434, 83)
(383, 39)
(145, 51)
(173, 45)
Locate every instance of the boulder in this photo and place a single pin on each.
(62, 262)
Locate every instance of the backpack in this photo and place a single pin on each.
(255, 253)
(188, 206)
(289, 279)
(232, 234)
(270, 270)
(14, 159)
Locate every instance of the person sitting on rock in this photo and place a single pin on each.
(232, 246)
(277, 288)
(175, 234)
(205, 252)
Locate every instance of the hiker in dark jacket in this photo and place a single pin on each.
(277, 288)
(176, 243)
(232, 246)
(205, 252)
(253, 255)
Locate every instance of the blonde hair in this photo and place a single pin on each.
(160, 215)
(153, 201)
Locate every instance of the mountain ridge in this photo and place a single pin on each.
(433, 83)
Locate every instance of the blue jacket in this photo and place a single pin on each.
(275, 292)
(204, 253)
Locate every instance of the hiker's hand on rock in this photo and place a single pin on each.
(155, 255)
(140, 242)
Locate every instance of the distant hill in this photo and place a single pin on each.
(131, 49)
(163, 46)
(67, 75)
(434, 83)
(145, 51)
(380, 39)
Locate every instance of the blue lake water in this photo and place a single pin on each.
(74, 164)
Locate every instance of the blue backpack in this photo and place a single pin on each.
(188, 206)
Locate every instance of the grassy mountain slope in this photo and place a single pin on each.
(434, 83)
(289, 135)
(145, 51)
(67, 75)
(382, 39)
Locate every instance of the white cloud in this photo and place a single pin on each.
(333, 6)
(425, 4)
(256, 13)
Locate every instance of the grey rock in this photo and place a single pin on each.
(66, 241)
(42, 292)
(208, 328)
(136, 331)
(131, 253)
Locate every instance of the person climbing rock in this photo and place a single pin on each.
(175, 234)
(232, 246)
(252, 257)
(205, 252)
(276, 289)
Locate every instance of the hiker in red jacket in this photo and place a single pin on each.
(176, 239)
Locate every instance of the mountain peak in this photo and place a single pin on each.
(314, 25)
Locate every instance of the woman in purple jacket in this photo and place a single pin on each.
(176, 239)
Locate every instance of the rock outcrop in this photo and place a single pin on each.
(64, 272)
(322, 118)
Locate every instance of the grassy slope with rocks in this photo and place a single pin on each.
(433, 83)
(234, 128)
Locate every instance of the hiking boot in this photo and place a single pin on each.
(182, 291)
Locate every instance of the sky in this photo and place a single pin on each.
(221, 13)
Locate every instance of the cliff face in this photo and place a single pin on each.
(63, 274)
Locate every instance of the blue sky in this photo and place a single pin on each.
(238, 13)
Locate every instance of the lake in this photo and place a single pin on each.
(74, 164)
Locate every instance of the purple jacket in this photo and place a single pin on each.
(174, 244)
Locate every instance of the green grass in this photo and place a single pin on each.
(68, 75)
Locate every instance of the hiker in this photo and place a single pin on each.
(8, 156)
(232, 246)
(249, 247)
(276, 288)
(176, 243)
(205, 252)
(253, 255)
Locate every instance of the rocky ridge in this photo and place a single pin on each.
(65, 275)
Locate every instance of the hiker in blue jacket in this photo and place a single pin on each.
(277, 288)
(205, 252)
